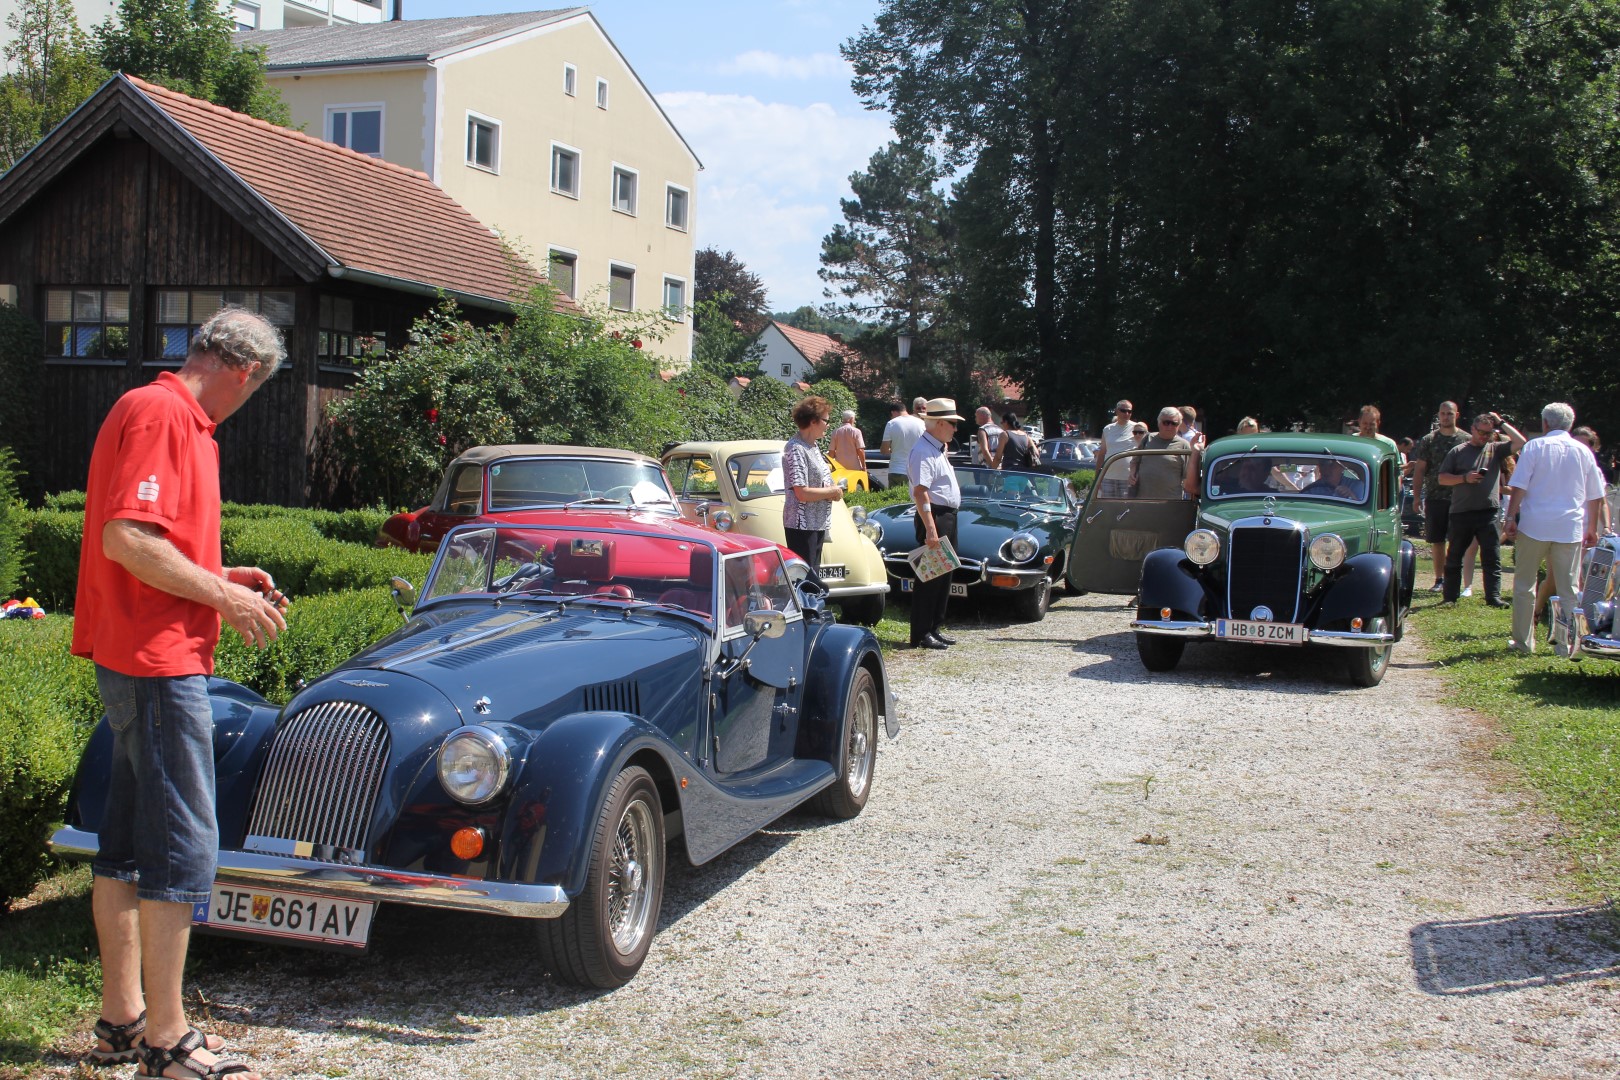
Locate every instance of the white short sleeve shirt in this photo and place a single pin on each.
(1558, 476)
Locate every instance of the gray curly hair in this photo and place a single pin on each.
(1557, 416)
(240, 339)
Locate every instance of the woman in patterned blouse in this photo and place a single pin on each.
(807, 476)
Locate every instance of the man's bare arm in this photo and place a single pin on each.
(146, 553)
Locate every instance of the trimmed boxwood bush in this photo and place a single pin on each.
(48, 705)
(349, 526)
(304, 562)
(322, 632)
(51, 540)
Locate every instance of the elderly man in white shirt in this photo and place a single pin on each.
(1554, 506)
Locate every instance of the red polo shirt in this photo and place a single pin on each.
(155, 460)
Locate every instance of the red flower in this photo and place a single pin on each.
(636, 343)
(433, 416)
(441, 440)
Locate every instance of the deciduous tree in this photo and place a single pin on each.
(50, 72)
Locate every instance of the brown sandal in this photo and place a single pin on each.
(156, 1059)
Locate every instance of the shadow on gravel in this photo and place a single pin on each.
(1499, 953)
(1282, 669)
(426, 971)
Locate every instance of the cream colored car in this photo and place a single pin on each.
(738, 486)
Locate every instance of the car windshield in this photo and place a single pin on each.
(609, 566)
(522, 483)
(1005, 485)
(1314, 476)
(757, 475)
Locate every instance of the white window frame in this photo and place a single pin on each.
(237, 8)
(601, 92)
(629, 267)
(579, 159)
(787, 371)
(553, 249)
(570, 79)
(495, 127)
(613, 189)
(378, 107)
(686, 194)
(674, 316)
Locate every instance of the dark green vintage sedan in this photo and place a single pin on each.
(1294, 540)
(1012, 536)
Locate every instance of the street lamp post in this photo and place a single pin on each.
(903, 343)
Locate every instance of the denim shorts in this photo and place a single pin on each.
(159, 832)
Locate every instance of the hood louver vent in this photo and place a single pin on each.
(499, 645)
(623, 696)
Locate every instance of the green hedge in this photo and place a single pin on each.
(50, 541)
(48, 705)
(322, 632)
(304, 562)
(874, 499)
(349, 526)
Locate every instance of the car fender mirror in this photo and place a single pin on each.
(763, 623)
(403, 592)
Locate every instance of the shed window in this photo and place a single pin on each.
(89, 324)
(179, 312)
(348, 332)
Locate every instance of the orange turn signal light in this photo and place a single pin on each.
(1165, 613)
(1355, 624)
(1005, 581)
(467, 843)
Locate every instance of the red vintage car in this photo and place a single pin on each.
(532, 484)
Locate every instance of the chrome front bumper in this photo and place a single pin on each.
(360, 882)
(1200, 629)
(1606, 647)
(839, 591)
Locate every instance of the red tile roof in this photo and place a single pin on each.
(812, 345)
(367, 214)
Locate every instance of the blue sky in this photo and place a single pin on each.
(763, 96)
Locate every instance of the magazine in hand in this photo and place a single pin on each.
(930, 563)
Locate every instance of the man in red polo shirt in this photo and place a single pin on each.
(151, 595)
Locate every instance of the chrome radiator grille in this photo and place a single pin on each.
(320, 784)
(1264, 569)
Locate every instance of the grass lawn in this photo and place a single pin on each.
(1562, 719)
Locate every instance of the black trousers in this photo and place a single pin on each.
(930, 597)
(1461, 530)
(807, 544)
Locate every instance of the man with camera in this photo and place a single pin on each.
(1472, 472)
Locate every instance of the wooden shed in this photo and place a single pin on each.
(146, 210)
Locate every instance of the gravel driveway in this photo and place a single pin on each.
(1245, 868)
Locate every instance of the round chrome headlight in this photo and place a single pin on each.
(1327, 551)
(870, 530)
(1202, 547)
(722, 520)
(1020, 548)
(797, 569)
(859, 514)
(474, 765)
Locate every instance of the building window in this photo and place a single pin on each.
(347, 333)
(787, 370)
(601, 93)
(87, 324)
(565, 170)
(181, 311)
(676, 200)
(247, 16)
(674, 298)
(564, 271)
(624, 189)
(621, 288)
(358, 127)
(570, 79)
(483, 143)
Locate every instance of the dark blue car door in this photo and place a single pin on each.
(755, 717)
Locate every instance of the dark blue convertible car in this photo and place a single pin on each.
(561, 703)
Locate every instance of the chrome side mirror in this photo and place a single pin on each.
(403, 592)
(764, 623)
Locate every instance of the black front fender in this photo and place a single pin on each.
(1361, 589)
(1169, 580)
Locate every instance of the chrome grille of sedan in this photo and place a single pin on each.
(320, 784)
(1264, 568)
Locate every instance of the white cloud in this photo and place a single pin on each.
(776, 66)
(773, 175)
